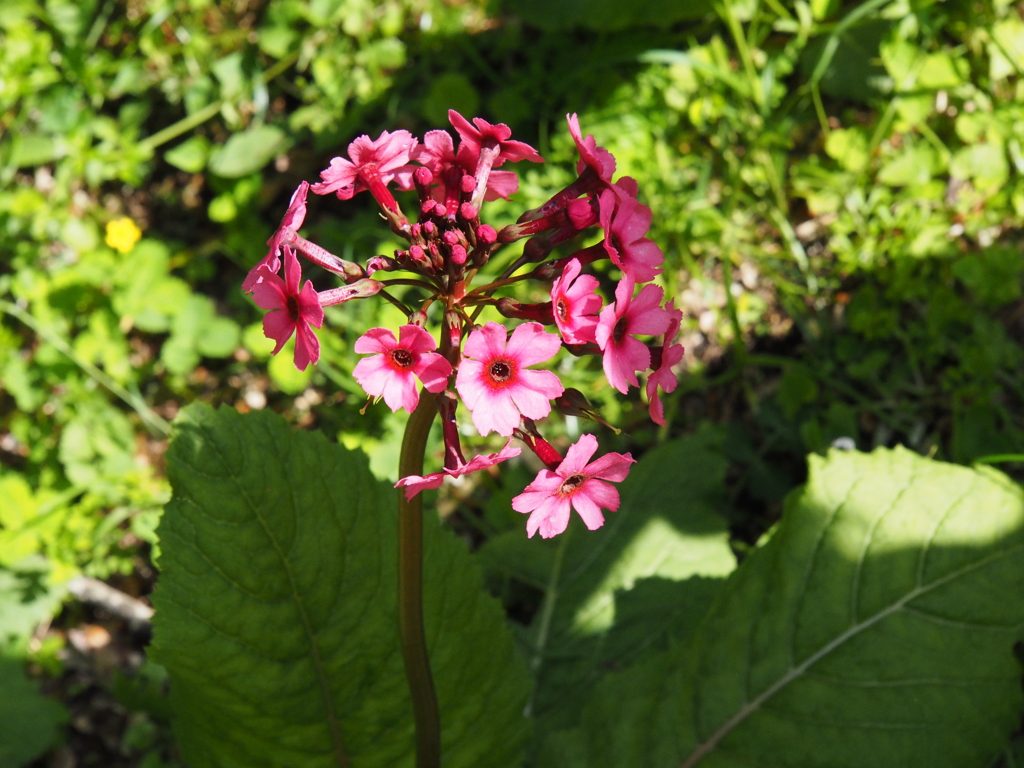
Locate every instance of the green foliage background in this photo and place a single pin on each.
(837, 187)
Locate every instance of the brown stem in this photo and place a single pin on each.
(410, 589)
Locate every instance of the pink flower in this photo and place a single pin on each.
(293, 219)
(574, 484)
(494, 381)
(482, 135)
(598, 159)
(663, 376)
(625, 222)
(372, 166)
(395, 364)
(437, 152)
(413, 484)
(575, 304)
(292, 310)
(623, 354)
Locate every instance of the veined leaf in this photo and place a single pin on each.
(28, 720)
(875, 627)
(276, 615)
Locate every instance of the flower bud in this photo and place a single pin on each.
(542, 313)
(361, 289)
(458, 254)
(485, 234)
(467, 211)
(423, 176)
(467, 185)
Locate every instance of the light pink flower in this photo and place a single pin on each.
(623, 354)
(482, 135)
(574, 484)
(598, 159)
(395, 364)
(495, 383)
(292, 310)
(663, 376)
(372, 166)
(413, 484)
(293, 219)
(575, 304)
(625, 223)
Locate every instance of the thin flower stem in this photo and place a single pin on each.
(499, 284)
(405, 281)
(410, 590)
(153, 420)
(547, 612)
(395, 301)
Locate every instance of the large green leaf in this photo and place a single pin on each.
(875, 627)
(630, 587)
(28, 720)
(276, 615)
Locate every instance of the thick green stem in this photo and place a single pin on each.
(410, 589)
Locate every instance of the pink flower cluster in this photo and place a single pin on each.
(492, 372)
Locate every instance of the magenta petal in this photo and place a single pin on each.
(413, 484)
(549, 519)
(277, 325)
(586, 508)
(496, 413)
(400, 392)
(501, 184)
(601, 493)
(415, 339)
(486, 342)
(307, 346)
(375, 340)
(433, 370)
(534, 392)
(468, 382)
(530, 344)
(577, 456)
(309, 305)
(373, 374)
(269, 292)
(611, 466)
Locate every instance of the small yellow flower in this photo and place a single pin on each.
(122, 234)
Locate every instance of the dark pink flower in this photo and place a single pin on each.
(663, 376)
(598, 159)
(495, 383)
(482, 135)
(625, 223)
(372, 165)
(623, 354)
(413, 484)
(575, 484)
(293, 219)
(395, 364)
(292, 310)
(575, 304)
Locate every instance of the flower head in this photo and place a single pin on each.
(292, 310)
(496, 384)
(395, 364)
(122, 234)
(372, 165)
(413, 484)
(293, 218)
(437, 153)
(623, 354)
(663, 376)
(575, 304)
(573, 484)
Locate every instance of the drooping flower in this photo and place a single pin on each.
(413, 484)
(575, 304)
(623, 354)
(292, 310)
(625, 223)
(495, 383)
(395, 364)
(663, 376)
(598, 159)
(574, 484)
(372, 166)
(293, 218)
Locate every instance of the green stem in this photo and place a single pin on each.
(410, 590)
(547, 612)
(152, 419)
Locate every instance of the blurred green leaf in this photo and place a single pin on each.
(191, 155)
(28, 721)
(248, 151)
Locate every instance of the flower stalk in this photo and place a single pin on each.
(426, 714)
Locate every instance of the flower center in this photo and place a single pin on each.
(620, 329)
(401, 357)
(293, 308)
(562, 308)
(501, 370)
(571, 485)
